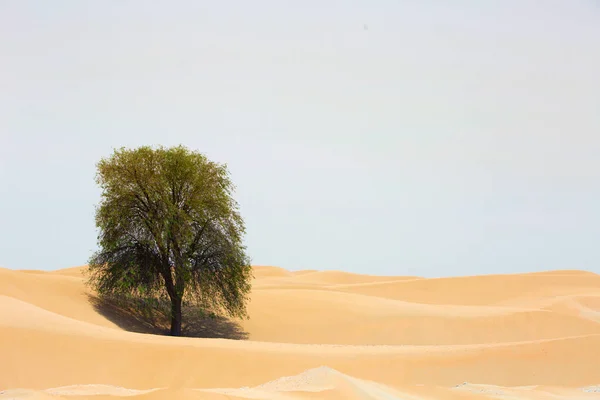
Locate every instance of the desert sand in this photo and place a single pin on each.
(314, 335)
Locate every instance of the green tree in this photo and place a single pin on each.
(168, 223)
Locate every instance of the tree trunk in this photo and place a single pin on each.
(176, 316)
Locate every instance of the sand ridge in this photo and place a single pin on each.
(315, 335)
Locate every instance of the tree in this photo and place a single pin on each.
(168, 223)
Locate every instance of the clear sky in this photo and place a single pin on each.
(427, 138)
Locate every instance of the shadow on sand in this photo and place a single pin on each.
(141, 317)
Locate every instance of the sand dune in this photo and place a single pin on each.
(315, 335)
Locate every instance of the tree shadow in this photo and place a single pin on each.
(152, 317)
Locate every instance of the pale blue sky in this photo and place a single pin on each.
(448, 138)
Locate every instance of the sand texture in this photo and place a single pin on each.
(312, 335)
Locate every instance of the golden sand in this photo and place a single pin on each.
(315, 335)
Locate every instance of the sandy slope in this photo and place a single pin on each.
(315, 335)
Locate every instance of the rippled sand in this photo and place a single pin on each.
(314, 335)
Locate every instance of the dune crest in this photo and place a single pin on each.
(312, 335)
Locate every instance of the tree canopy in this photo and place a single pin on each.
(168, 223)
